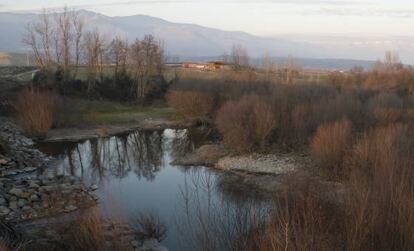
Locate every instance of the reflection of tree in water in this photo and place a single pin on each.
(147, 152)
(140, 152)
(208, 221)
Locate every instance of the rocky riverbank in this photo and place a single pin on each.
(26, 191)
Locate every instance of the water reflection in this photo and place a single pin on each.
(93, 160)
(208, 219)
(198, 205)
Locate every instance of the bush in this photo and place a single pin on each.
(36, 111)
(191, 104)
(329, 145)
(381, 185)
(245, 123)
(86, 232)
(265, 120)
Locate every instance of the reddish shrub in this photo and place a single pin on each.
(36, 111)
(381, 181)
(329, 145)
(245, 123)
(191, 104)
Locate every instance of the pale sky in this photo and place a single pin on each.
(259, 17)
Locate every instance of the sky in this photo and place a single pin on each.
(259, 17)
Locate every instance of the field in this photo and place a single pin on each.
(86, 113)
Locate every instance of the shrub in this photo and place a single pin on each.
(36, 111)
(236, 123)
(329, 145)
(191, 104)
(300, 220)
(86, 232)
(381, 181)
(245, 123)
(265, 121)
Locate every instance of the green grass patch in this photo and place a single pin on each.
(78, 113)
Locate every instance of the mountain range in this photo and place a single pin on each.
(190, 41)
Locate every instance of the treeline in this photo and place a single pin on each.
(79, 60)
(388, 74)
(252, 115)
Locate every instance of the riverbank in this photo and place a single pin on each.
(269, 173)
(43, 207)
(27, 192)
(75, 134)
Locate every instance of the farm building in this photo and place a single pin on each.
(194, 65)
(216, 65)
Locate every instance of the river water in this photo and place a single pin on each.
(200, 207)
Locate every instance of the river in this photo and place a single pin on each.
(199, 206)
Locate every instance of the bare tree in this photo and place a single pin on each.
(78, 24)
(268, 66)
(64, 23)
(94, 45)
(239, 57)
(30, 39)
(118, 54)
(146, 61)
(44, 29)
(291, 70)
(38, 37)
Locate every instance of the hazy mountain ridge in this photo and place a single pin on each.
(190, 41)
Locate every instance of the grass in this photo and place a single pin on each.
(78, 113)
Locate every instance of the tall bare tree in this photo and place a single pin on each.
(64, 23)
(78, 25)
(118, 54)
(269, 67)
(38, 37)
(146, 61)
(291, 70)
(239, 58)
(94, 46)
(30, 38)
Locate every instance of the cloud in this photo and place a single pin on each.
(393, 13)
(292, 2)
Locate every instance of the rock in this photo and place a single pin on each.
(25, 195)
(271, 164)
(94, 187)
(134, 244)
(13, 205)
(4, 211)
(70, 208)
(16, 191)
(34, 197)
(2, 201)
(48, 188)
(151, 245)
(33, 184)
(3, 162)
(21, 203)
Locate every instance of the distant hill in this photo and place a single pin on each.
(192, 41)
